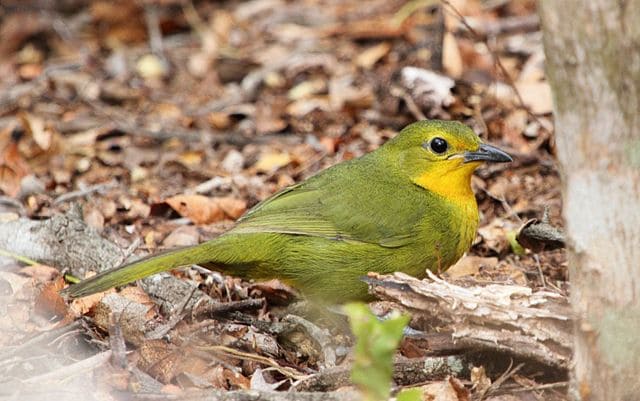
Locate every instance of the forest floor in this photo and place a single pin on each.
(166, 120)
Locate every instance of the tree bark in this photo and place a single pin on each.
(593, 65)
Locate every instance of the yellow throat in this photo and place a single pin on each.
(452, 181)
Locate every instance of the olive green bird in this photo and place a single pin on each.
(407, 206)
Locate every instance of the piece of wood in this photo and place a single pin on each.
(406, 371)
(64, 241)
(511, 319)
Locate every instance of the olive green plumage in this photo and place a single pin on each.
(375, 213)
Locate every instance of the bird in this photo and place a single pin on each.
(407, 206)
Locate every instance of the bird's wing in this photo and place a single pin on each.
(294, 210)
(350, 206)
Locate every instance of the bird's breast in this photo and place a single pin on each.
(467, 226)
(449, 232)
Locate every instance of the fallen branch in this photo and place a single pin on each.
(250, 395)
(406, 371)
(63, 241)
(44, 338)
(69, 196)
(78, 368)
(532, 326)
(170, 293)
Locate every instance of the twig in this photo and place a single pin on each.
(70, 370)
(507, 25)
(308, 164)
(504, 204)
(542, 279)
(289, 372)
(34, 88)
(8, 363)
(191, 16)
(116, 341)
(153, 28)
(131, 249)
(224, 308)
(64, 336)
(538, 387)
(408, 100)
(161, 330)
(477, 111)
(252, 395)
(500, 380)
(47, 336)
(14, 203)
(407, 371)
(84, 192)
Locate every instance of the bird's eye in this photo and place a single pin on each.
(438, 145)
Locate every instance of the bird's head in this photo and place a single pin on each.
(441, 155)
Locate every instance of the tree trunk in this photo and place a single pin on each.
(593, 65)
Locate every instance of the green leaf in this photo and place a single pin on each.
(410, 394)
(376, 343)
(515, 245)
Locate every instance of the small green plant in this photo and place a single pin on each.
(410, 394)
(376, 343)
(515, 245)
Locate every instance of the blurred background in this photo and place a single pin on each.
(165, 120)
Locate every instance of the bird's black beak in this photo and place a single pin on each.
(487, 153)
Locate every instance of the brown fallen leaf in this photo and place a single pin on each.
(494, 235)
(379, 27)
(159, 359)
(41, 273)
(190, 159)
(18, 292)
(232, 207)
(36, 128)
(446, 390)
(182, 236)
(236, 380)
(13, 168)
(307, 88)
(275, 291)
(135, 208)
(84, 305)
(204, 210)
(28, 72)
(139, 296)
(220, 120)
(470, 265)
(481, 382)
(49, 303)
(513, 130)
(270, 162)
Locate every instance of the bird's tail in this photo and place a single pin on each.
(144, 267)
